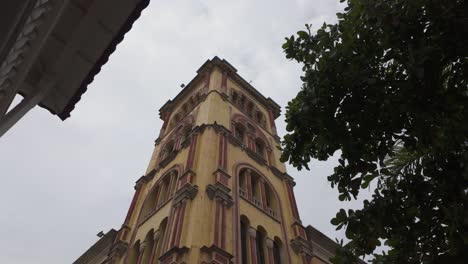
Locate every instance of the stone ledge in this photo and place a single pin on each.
(220, 191)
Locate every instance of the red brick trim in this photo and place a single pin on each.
(167, 232)
(223, 226)
(271, 259)
(132, 206)
(181, 224)
(248, 179)
(191, 155)
(253, 250)
(225, 153)
(216, 226)
(292, 200)
(221, 151)
(153, 251)
(175, 227)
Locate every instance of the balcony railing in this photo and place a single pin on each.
(243, 193)
(271, 212)
(258, 203)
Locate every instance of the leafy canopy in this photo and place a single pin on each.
(387, 87)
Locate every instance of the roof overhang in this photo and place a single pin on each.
(63, 45)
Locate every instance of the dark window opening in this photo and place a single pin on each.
(244, 242)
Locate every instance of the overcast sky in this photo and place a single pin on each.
(63, 182)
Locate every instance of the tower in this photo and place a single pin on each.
(215, 190)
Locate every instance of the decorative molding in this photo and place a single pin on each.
(139, 183)
(117, 250)
(217, 255)
(302, 246)
(220, 191)
(269, 243)
(174, 255)
(18, 51)
(171, 156)
(222, 176)
(187, 192)
(252, 231)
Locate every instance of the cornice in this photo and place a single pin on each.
(220, 191)
(226, 257)
(173, 251)
(302, 246)
(225, 97)
(187, 192)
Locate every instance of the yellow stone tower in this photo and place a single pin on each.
(215, 190)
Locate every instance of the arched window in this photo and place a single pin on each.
(150, 203)
(272, 206)
(260, 244)
(149, 243)
(162, 230)
(260, 147)
(186, 133)
(234, 97)
(134, 252)
(250, 107)
(242, 101)
(174, 178)
(239, 132)
(244, 225)
(242, 182)
(166, 150)
(277, 248)
(165, 190)
(260, 118)
(159, 194)
(251, 187)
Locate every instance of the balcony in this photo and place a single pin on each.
(258, 203)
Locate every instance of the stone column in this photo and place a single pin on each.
(253, 245)
(248, 179)
(263, 193)
(156, 237)
(269, 245)
(156, 200)
(141, 252)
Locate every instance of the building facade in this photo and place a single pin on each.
(215, 190)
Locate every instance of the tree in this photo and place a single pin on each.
(387, 87)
